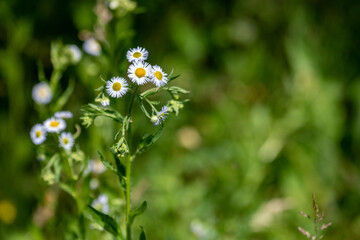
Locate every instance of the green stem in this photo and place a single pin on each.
(128, 198)
(128, 172)
(54, 79)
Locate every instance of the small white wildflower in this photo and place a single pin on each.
(42, 93)
(92, 47)
(54, 124)
(137, 54)
(161, 116)
(63, 114)
(101, 203)
(38, 134)
(75, 53)
(116, 87)
(105, 101)
(96, 167)
(139, 72)
(158, 76)
(94, 183)
(66, 140)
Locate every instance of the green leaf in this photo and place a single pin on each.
(173, 78)
(142, 234)
(105, 221)
(143, 108)
(138, 211)
(177, 90)
(107, 163)
(91, 111)
(149, 92)
(147, 140)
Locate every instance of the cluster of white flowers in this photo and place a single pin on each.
(139, 72)
(55, 124)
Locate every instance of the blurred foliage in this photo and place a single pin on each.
(274, 116)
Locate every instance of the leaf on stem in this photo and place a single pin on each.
(136, 212)
(105, 221)
(147, 140)
(91, 111)
(142, 234)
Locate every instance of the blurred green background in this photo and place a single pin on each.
(274, 115)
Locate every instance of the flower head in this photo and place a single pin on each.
(161, 116)
(101, 203)
(116, 87)
(139, 72)
(66, 140)
(54, 124)
(42, 93)
(137, 54)
(158, 76)
(75, 53)
(63, 114)
(92, 47)
(105, 101)
(38, 134)
(96, 167)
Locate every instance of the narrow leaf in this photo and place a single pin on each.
(105, 221)
(138, 211)
(148, 140)
(107, 163)
(142, 234)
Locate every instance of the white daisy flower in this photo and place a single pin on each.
(161, 116)
(116, 87)
(158, 76)
(63, 114)
(54, 124)
(75, 53)
(105, 101)
(96, 167)
(66, 140)
(101, 203)
(92, 47)
(139, 72)
(38, 134)
(137, 54)
(42, 93)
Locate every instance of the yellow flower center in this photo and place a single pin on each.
(54, 123)
(42, 92)
(137, 54)
(65, 140)
(140, 72)
(158, 75)
(38, 133)
(116, 86)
